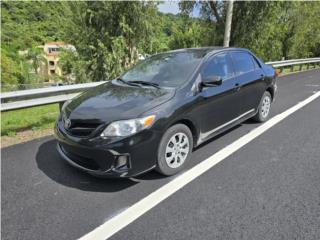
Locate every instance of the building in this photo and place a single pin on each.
(51, 54)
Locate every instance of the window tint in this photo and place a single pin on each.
(243, 62)
(220, 65)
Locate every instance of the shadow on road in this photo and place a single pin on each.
(51, 164)
(153, 175)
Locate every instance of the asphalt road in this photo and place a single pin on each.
(269, 189)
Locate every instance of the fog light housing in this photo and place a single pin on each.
(121, 161)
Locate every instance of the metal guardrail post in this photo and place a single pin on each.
(292, 67)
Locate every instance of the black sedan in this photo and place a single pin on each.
(153, 115)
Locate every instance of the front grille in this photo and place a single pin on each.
(79, 129)
(82, 129)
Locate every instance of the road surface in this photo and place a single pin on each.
(268, 189)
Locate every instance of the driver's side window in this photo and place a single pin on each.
(219, 65)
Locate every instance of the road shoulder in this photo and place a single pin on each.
(24, 136)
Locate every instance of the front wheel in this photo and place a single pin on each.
(264, 108)
(174, 149)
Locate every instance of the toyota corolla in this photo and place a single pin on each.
(156, 113)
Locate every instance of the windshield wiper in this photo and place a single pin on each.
(146, 83)
(127, 83)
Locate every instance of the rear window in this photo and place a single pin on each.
(243, 62)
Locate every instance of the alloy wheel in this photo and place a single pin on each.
(265, 108)
(177, 150)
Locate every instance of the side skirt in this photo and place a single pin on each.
(222, 128)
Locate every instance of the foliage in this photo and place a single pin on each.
(188, 32)
(263, 29)
(42, 117)
(26, 25)
(270, 29)
(10, 70)
(72, 67)
(212, 12)
(305, 40)
(109, 35)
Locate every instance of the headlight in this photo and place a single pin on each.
(65, 105)
(127, 127)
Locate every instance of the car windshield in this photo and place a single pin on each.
(166, 69)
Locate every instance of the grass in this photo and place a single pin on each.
(296, 68)
(36, 118)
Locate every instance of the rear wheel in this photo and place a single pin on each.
(174, 149)
(264, 108)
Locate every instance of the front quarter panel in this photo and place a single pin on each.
(178, 109)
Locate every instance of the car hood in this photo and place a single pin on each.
(113, 101)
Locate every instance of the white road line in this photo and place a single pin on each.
(129, 215)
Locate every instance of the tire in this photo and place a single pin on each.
(264, 108)
(179, 141)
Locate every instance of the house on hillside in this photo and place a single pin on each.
(51, 53)
(44, 61)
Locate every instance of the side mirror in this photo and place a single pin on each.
(211, 81)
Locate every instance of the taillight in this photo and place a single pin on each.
(277, 72)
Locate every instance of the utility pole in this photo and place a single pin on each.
(227, 29)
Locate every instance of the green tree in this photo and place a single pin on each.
(10, 72)
(211, 11)
(305, 40)
(26, 25)
(186, 34)
(271, 29)
(36, 57)
(107, 35)
(256, 26)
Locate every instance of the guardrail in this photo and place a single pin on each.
(293, 62)
(59, 94)
(42, 96)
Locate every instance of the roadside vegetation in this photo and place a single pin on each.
(36, 118)
(109, 35)
(297, 68)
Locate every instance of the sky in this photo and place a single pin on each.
(173, 7)
(169, 7)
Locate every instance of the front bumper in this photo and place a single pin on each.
(122, 157)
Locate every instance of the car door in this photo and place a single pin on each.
(250, 76)
(220, 104)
